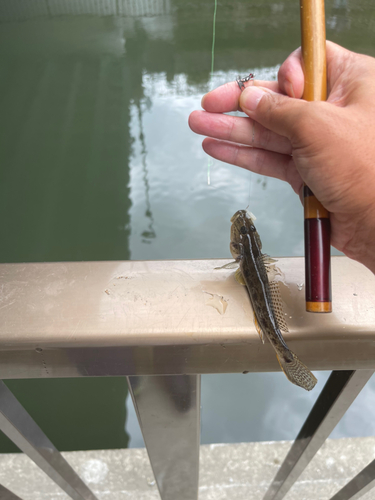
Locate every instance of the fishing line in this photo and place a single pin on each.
(210, 161)
(251, 173)
(213, 39)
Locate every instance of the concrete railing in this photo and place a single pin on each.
(162, 324)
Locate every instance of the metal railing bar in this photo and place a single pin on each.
(6, 494)
(172, 317)
(20, 428)
(337, 395)
(168, 411)
(189, 359)
(361, 484)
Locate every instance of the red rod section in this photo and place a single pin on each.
(317, 255)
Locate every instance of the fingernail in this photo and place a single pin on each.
(202, 100)
(250, 98)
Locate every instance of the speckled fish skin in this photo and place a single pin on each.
(246, 248)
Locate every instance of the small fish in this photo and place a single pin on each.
(245, 247)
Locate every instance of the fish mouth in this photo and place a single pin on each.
(250, 216)
(244, 214)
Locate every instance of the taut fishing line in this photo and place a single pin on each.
(213, 40)
(210, 161)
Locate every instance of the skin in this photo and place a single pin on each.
(328, 145)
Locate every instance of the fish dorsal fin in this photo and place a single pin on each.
(230, 265)
(239, 277)
(278, 306)
(267, 259)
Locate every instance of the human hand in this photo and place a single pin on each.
(328, 145)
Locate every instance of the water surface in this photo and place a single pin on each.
(97, 163)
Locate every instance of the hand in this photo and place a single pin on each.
(328, 145)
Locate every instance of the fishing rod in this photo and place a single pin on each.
(317, 223)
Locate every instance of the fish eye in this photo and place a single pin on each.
(243, 230)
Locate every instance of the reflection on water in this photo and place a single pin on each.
(149, 233)
(339, 18)
(98, 162)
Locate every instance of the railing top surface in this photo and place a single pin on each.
(97, 304)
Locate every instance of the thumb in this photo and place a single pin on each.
(277, 112)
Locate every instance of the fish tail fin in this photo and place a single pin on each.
(297, 372)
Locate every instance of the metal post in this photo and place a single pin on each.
(338, 394)
(361, 484)
(168, 411)
(5, 494)
(18, 425)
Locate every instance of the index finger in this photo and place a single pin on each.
(225, 98)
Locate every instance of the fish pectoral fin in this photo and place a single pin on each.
(268, 260)
(230, 265)
(258, 329)
(239, 277)
(296, 372)
(278, 306)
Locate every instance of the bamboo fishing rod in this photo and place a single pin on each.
(317, 223)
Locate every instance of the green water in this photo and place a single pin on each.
(97, 161)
